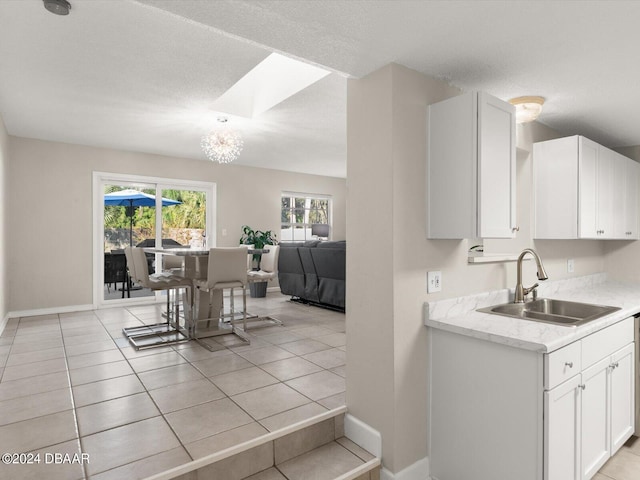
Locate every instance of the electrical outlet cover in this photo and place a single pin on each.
(434, 282)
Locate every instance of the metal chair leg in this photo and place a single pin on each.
(244, 308)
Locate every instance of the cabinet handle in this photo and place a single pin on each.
(569, 364)
(583, 386)
(614, 365)
(515, 229)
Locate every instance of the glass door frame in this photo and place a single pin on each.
(100, 179)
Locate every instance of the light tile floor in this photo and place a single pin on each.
(72, 384)
(624, 465)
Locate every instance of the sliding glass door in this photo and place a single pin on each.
(129, 219)
(145, 212)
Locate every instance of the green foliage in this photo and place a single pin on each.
(191, 213)
(257, 238)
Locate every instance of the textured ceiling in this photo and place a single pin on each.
(142, 75)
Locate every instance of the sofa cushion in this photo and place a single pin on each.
(341, 244)
(290, 272)
(316, 274)
(330, 270)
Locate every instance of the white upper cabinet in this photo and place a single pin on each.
(471, 168)
(632, 176)
(583, 190)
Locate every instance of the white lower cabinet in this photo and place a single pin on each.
(562, 429)
(590, 416)
(518, 414)
(594, 438)
(622, 397)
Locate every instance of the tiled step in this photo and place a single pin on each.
(340, 459)
(288, 453)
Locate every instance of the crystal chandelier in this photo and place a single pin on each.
(222, 145)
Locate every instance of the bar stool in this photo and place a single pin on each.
(268, 271)
(227, 269)
(159, 333)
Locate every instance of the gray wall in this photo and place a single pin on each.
(49, 217)
(4, 161)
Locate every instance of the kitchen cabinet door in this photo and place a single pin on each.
(618, 196)
(631, 199)
(584, 190)
(595, 423)
(562, 431)
(555, 174)
(496, 168)
(471, 168)
(588, 171)
(622, 396)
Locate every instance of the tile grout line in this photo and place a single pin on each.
(73, 402)
(136, 373)
(119, 348)
(247, 445)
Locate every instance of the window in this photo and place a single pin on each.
(299, 212)
(185, 215)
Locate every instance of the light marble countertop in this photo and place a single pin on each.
(459, 315)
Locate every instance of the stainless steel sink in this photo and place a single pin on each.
(560, 312)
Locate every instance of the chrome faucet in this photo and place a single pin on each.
(522, 292)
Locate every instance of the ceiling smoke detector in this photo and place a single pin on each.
(59, 7)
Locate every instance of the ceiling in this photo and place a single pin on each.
(143, 75)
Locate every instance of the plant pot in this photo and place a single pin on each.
(258, 289)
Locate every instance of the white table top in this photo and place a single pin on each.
(194, 252)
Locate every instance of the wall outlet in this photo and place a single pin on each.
(224, 232)
(570, 266)
(434, 282)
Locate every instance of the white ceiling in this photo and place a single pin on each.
(143, 75)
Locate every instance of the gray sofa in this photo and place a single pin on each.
(313, 272)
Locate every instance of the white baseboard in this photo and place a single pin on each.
(417, 471)
(50, 310)
(3, 323)
(362, 434)
(82, 308)
(370, 439)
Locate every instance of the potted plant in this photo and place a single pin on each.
(258, 239)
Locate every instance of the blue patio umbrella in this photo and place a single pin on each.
(134, 198)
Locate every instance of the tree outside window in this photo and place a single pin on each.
(300, 211)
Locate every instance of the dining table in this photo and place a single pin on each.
(195, 267)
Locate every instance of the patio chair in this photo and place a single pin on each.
(115, 270)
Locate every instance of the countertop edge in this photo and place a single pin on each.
(543, 337)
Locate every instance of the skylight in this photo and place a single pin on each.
(270, 82)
